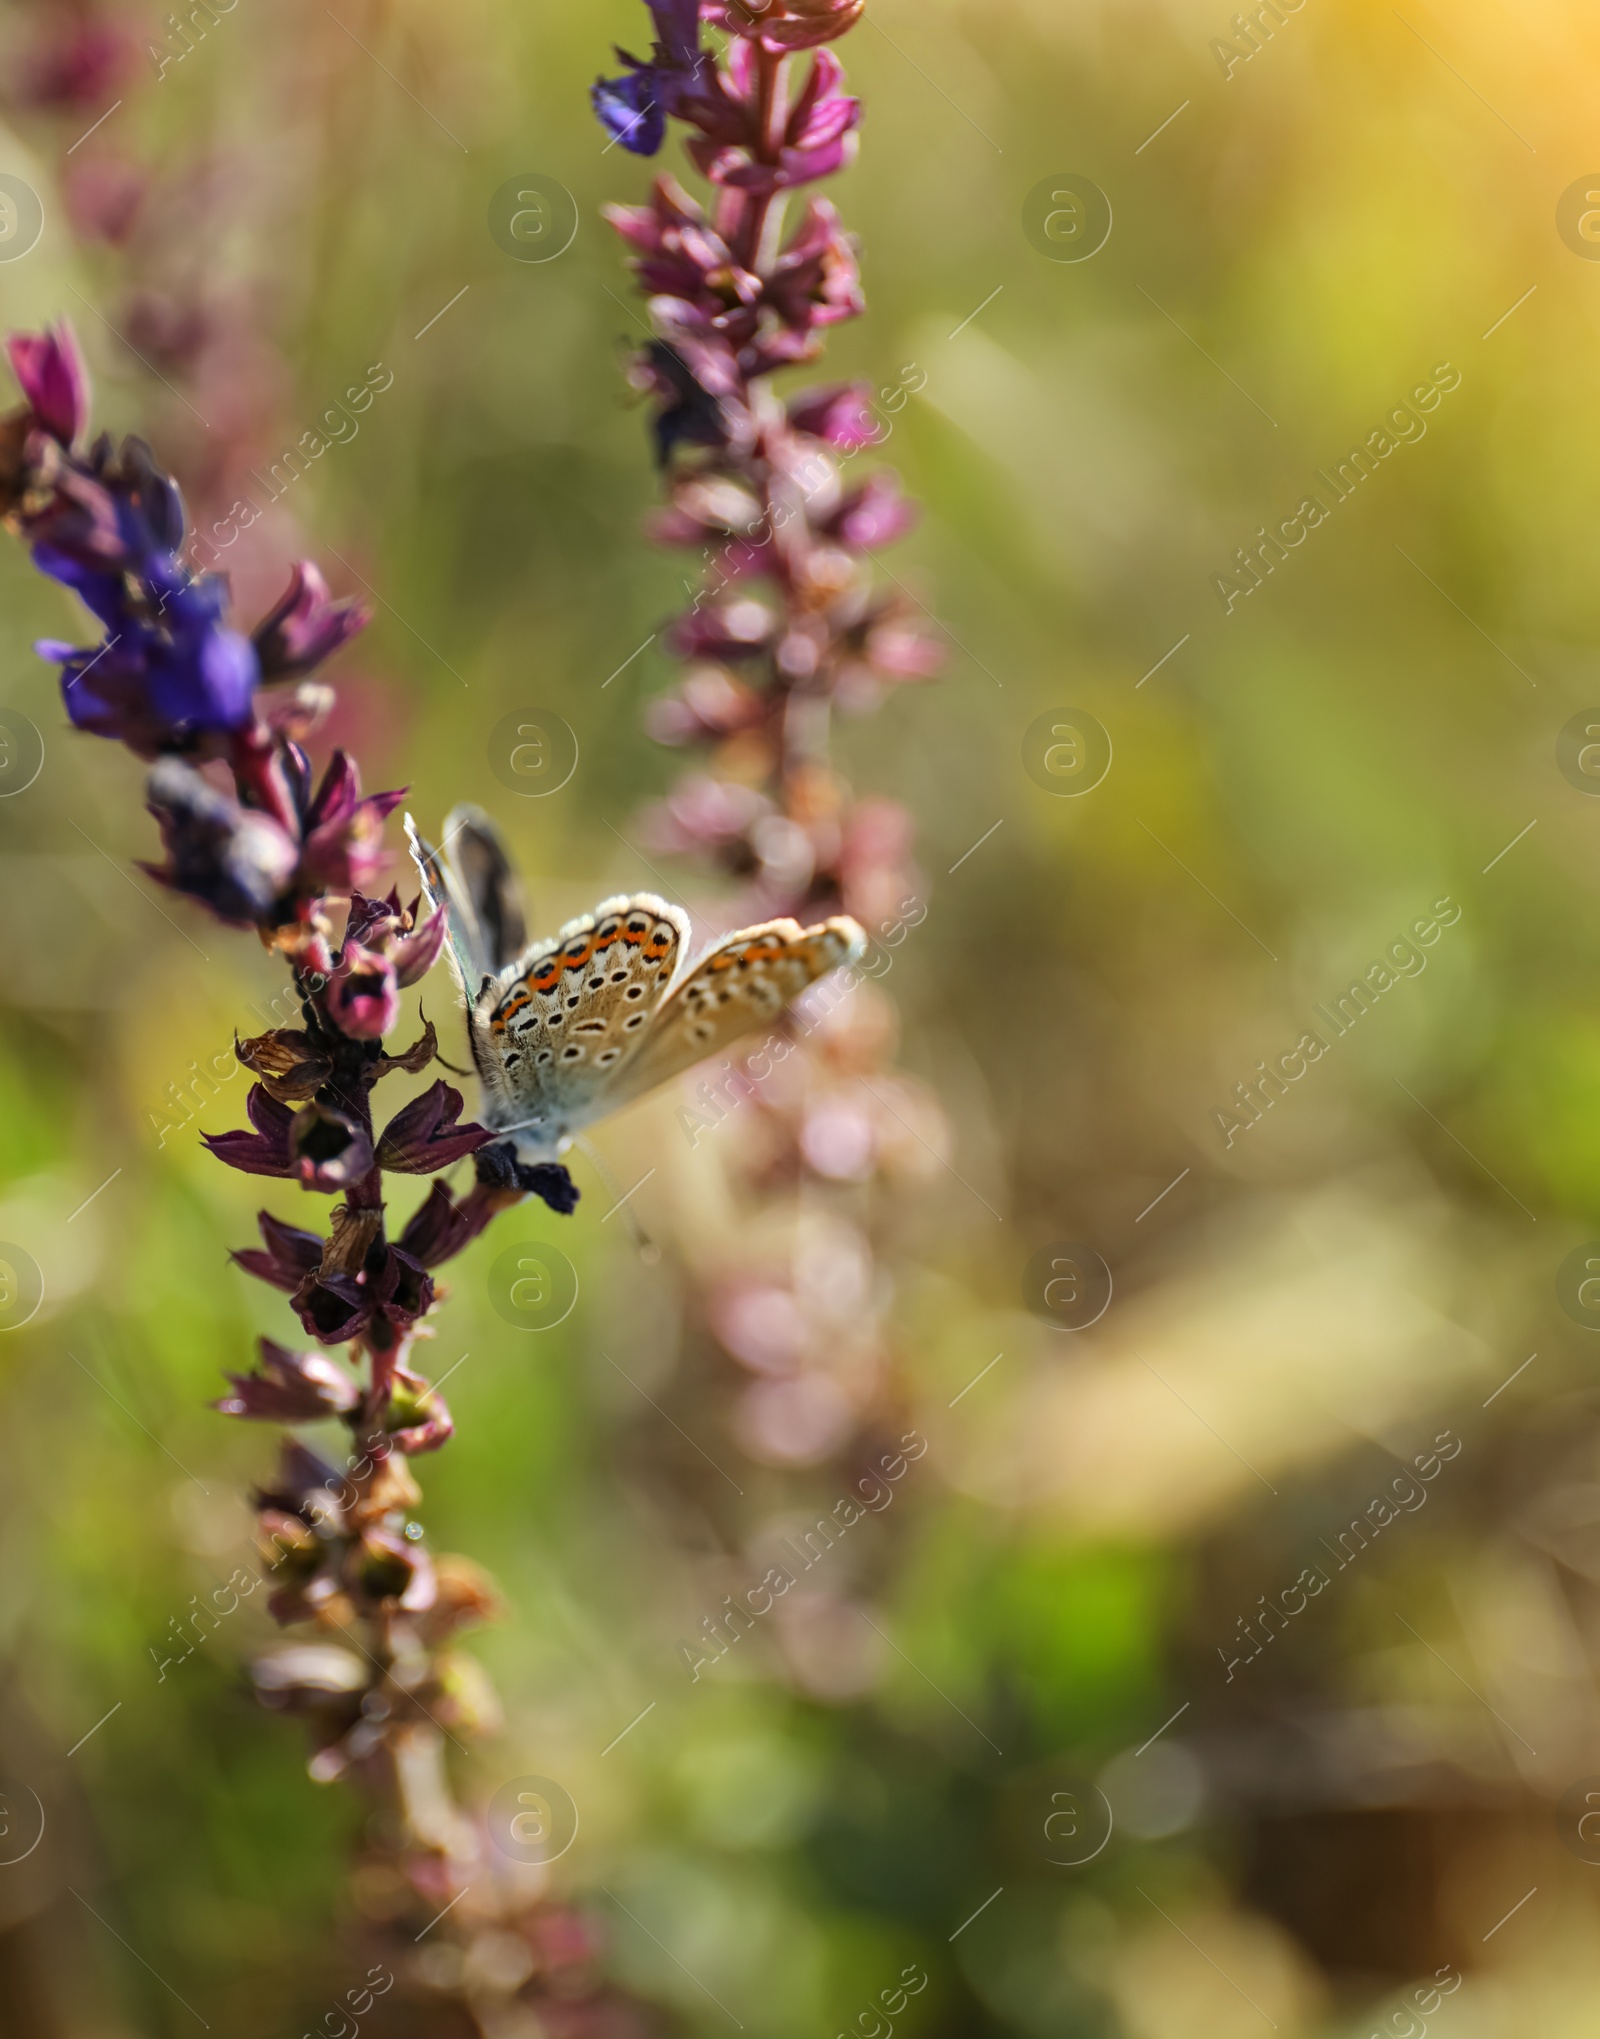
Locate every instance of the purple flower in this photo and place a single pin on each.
(423, 1136)
(50, 371)
(291, 1387)
(337, 1307)
(306, 627)
(839, 413)
(266, 1150)
(633, 109)
(169, 672)
(318, 1148)
(290, 1254)
(440, 1227)
(383, 926)
(818, 136)
(873, 515)
(343, 842)
(363, 995)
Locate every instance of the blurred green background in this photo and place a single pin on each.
(1295, 1320)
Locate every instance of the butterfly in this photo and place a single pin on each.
(566, 1030)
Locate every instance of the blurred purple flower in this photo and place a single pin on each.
(343, 833)
(170, 674)
(816, 139)
(50, 372)
(291, 1387)
(875, 514)
(839, 413)
(237, 862)
(306, 627)
(171, 670)
(76, 65)
(633, 108)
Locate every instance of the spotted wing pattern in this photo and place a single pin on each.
(552, 1033)
(742, 983)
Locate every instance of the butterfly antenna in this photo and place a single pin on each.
(649, 1251)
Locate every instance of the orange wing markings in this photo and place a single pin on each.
(653, 937)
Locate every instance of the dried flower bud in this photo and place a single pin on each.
(290, 1066)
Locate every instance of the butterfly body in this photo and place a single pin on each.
(578, 1025)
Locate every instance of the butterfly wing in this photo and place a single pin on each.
(556, 1029)
(744, 982)
(485, 879)
(443, 892)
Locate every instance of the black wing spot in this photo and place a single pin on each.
(572, 1053)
